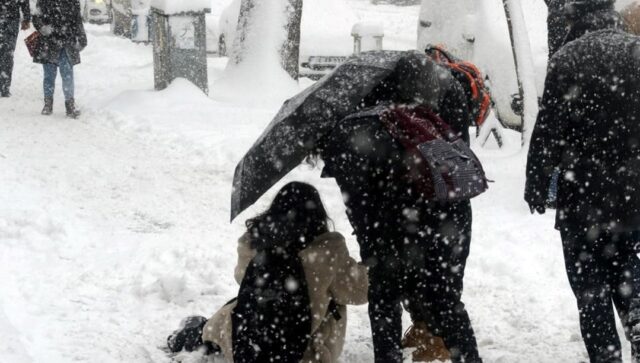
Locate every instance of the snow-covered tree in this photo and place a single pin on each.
(268, 29)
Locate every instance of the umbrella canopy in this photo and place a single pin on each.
(304, 119)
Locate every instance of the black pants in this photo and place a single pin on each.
(603, 271)
(9, 28)
(419, 258)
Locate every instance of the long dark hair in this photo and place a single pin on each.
(296, 216)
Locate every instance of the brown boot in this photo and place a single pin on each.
(48, 106)
(428, 348)
(70, 105)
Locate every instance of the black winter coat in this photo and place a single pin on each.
(60, 23)
(556, 25)
(12, 9)
(589, 127)
(370, 168)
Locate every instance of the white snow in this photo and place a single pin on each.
(114, 227)
(180, 6)
(255, 70)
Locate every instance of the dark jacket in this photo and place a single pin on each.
(584, 16)
(567, 19)
(556, 25)
(60, 23)
(369, 167)
(12, 9)
(589, 127)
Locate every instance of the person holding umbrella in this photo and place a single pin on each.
(416, 250)
(9, 24)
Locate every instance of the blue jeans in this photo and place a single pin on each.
(66, 72)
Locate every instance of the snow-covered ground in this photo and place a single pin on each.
(115, 226)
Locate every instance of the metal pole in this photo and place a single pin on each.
(507, 12)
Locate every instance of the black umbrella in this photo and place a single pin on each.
(313, 113)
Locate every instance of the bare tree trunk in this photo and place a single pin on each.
(242, 30)
(289, 50)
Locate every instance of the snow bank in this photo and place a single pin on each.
(180, 95)
(180, 6)
(11, 350)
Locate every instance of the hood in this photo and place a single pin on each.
(586, 16)
(579, 8)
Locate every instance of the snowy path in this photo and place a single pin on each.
(115, 226)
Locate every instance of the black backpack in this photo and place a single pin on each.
(272, 319)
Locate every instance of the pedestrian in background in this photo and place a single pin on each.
(59, 23)
(588, 129)
(9, 24)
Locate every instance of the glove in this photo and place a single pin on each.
(188, 336)
(537, 208)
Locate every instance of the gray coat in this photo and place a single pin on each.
(60, 24)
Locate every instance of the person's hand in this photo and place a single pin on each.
(536, 208)
(26, 24)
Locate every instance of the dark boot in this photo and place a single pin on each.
(4, 91)
(70, 105)
(189, 336)
(48, 106)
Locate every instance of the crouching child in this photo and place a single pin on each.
(296, 278)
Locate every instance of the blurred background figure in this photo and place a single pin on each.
(62, 39)
(9, 23)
